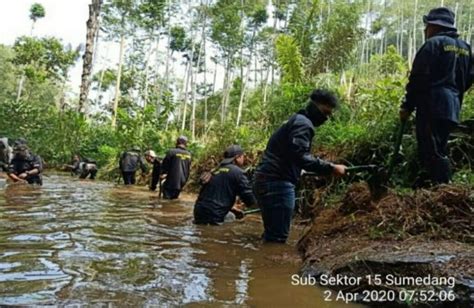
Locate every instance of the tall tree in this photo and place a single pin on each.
(87, 58)
(258, 17)
(226, 20)
(37, 11)
(119, 21)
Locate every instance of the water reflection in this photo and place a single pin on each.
(77, 242)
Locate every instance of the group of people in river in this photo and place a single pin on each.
(442, 72)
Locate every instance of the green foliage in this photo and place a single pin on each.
(178, 40)
(119, 17)
(303, 24)
(151, 13)
(315, 49)
(44, 58)
(226, 21)
(37, 11)
(389, 63)
(337, 38)
(289, 59)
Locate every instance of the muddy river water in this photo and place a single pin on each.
(75, 242)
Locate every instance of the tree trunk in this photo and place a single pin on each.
(193, 95)
(186, 87)
(245, 80)
(415, 17)
(169, 55)
(119, 75)
(224, 90)
(92, 31)
(214, 80)
(20, 87)
(205, 87)
(469, 33)
(401, 33)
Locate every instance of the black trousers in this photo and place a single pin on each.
(170, 193)
(128, 177)
(88, 173)
(432, 136)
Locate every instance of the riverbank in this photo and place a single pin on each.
(427, 233)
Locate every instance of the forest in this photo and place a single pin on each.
(267, 57)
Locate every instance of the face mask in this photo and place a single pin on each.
(315, 115)
(22, 154)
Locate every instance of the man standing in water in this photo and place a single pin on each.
(175, 169)
(25, 166)
(441, 73)
(129, 163)
(151, 158)
(288, 152)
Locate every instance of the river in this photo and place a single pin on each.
(75, 242)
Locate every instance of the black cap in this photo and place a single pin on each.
(440, 16)
(20, 141)
(182, 140)
(20, 147)
(231, 152)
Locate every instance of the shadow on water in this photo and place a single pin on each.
(81, 242)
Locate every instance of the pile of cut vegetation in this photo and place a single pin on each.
(426, 232)
(445, 212)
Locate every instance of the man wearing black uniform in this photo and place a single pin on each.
(217, 197)
(151, 158)
(83, 167)
(441, 73)
(25, 166)
(175, 169)
(129, 163)
(288, 152)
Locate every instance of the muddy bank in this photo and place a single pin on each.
(429, 233)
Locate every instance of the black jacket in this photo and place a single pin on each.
(19, 165)
(217, 197)
(289, 151)
(155, 175)
(176, 165)
(130, 162)
(441, 73)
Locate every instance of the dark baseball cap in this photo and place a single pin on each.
(20, 147)
(441, 16)
(20, 141)
(231, 152)
(182, 140)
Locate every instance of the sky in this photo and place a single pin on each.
(65, 19)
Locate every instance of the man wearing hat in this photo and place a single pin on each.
(129, 163)
(25, 166)
(151, 158)
(288, 152)
(175, 169)
(441, 74)
(217, 196)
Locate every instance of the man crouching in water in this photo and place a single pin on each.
(83, 167)
(25, 166)
(216, 199)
